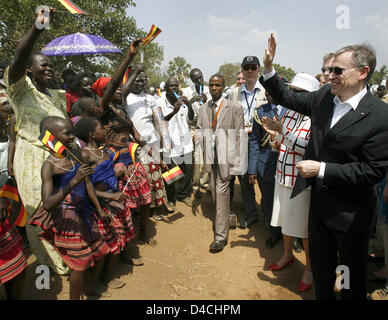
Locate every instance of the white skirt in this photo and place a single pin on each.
(291, 214)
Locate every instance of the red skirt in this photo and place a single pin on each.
(121, 231)
(138, 189)
(13, 260)
(78, 242)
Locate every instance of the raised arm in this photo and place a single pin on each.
(119, 74)
(300, 102)
(18, 65)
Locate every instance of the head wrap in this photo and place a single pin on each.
(99, 86)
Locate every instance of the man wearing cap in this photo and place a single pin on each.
(262, 163)
(250, 95)
(346, 156)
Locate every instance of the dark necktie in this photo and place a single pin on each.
(276, 111)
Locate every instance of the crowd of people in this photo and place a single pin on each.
(316, 146)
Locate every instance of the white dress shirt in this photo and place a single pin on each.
(249, 101)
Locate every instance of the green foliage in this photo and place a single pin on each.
(155, 77)
(285, 72)
(379, 75)
(105, 18)
(179, 69)
(228, 71)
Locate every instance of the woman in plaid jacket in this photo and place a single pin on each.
(291, 138)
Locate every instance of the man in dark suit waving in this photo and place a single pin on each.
(347, 155)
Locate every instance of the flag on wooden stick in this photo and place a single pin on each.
(72, 7)
(154, 32)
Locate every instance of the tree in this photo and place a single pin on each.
(379, 75)
(228, 71)
(105, 18)
(179, 69)
(284, 71)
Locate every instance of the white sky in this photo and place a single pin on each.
(213, 32)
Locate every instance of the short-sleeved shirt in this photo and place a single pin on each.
(139, 109)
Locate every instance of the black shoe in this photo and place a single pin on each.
(247, 222)
(217, 246)
(198, 194)
(271, 242)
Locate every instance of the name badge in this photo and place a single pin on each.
(249, 126)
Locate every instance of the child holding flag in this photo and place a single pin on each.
(68, 223)
(105, 182)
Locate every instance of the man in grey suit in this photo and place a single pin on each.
(221, 126)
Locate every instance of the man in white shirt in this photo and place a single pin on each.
(178, 112)
(346, 156)
(250, 95)
(197, 94)
(139, 107)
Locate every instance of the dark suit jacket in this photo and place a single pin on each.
(262, 160)
(355, 151)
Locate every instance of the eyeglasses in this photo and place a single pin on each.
(337, 70)
(253, 67)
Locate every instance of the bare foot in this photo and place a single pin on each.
(148, 240)
(112, 283)
(96, 290)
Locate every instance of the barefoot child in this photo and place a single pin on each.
(65, 217)
(105, 182)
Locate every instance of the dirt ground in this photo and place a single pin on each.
(180, 267)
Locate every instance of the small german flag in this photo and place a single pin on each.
(159, 92)
(72, 7)
(173, 175)
(154, 32)
(16, 212)
(49, 140)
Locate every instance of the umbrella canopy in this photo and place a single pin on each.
(79, 44)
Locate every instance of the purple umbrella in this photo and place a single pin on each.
(79, 44)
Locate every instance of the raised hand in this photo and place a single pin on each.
(135, 45)
(269, 54)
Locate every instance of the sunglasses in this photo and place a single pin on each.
(337, 70)
(251, 67)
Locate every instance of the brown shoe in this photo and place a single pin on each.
(380, 294)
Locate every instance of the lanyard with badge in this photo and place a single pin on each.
(249, 124)
(214, 123)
